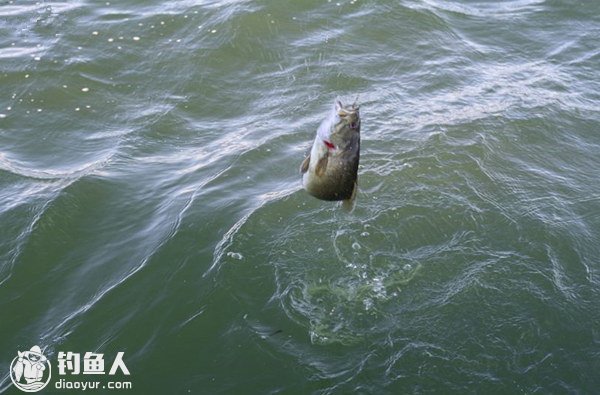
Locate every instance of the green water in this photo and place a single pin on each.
(150, 200)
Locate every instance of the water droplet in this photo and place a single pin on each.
(2, 115)
(110, 40)
(365, 234)
(85, 89)
(136, 38)
(95, 33)
(356, 246)
(407, 267)
(213, 31)
(235, 255)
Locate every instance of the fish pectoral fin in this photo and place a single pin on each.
(304, 165)
(321, 165)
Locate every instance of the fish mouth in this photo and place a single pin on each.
(354, 125)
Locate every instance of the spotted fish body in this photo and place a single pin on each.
(331, 169)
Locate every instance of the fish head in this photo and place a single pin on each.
(341, 127)
(347, 119)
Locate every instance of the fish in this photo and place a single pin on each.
(330, 171)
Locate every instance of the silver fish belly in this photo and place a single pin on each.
(330, 171)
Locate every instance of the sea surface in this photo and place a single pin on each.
(151, 204)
